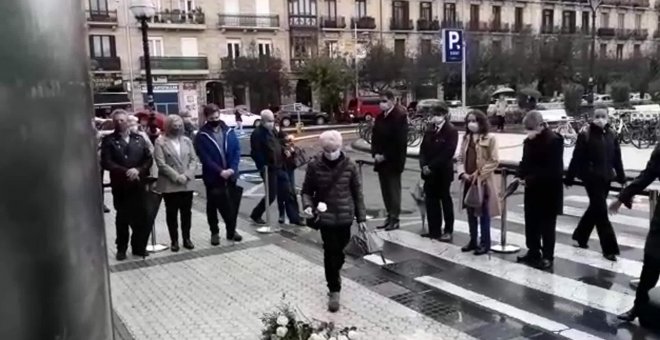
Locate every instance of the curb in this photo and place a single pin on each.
(317, 135)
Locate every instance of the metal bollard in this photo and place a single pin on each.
(267, 229)
(503, 247)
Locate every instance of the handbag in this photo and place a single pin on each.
(365, 242)
(473, 198)
(322, 193)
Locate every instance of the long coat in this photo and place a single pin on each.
(390, 138)
(172, 164)
(487, 161)
(437, 152)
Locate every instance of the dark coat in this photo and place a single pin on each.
(389, 137)
(542, 168)
(117, 157)
(646, 177)
(437, 152)
(597, 156)
(345, 200)
(212, 160)
(266, 148)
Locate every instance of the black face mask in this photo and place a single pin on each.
(214, 123)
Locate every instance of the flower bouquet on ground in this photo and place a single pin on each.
(284, 324)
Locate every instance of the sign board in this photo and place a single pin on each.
(452, 46)
(162, 88)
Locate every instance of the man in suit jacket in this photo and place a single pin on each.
(266, 150)
(436, 159)
(389, 142)
(126, 156)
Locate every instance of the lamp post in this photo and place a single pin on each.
(593, 4)
(144, 10)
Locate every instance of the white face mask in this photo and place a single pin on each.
(600, 122)
(473, 127)
(384, 106)
(331, 156)
(437, 120)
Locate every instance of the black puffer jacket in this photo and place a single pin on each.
(345, 200)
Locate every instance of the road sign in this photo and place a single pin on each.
(452, 46)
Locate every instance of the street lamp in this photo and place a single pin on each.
(144, 10)
(593, 4)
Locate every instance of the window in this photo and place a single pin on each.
(622, 18)
(425, 11)
(619, 51)
(449, 13)
(474, 15)
(605, 20)
(637, 50)
(568, 21)
(585, 22)
(361, 8)
(548, 20)
(302, 47)
(102, 46)
(638, 21)
(332, 8)
(156, 46)
(98, 5)
(302, 7)
(332, 48)
(518, 20)
(425, 46)
(187, 5)
(189, 47)
(265, 47)
(400, 47)
(400, 11)
(233, 48)
(603, 51)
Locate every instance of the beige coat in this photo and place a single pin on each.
(487, 161)
(171, 165)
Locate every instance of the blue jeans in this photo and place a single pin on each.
(286, 196)
(482, 221)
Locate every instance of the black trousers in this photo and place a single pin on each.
(390, 187)
(647, 281)
(130, 205)
(259, 210)
(438, 201)
(596, 215)
(540, 229)
(178, 203)
(217, 201)
(335, 239)
(500, 122)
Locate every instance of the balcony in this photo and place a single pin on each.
(364, 23)
(605, 32)
(303, 21)
(615, 2)
(102, 18)
(451, 24)
(640, 34)
(569, 30)
(477, 26)
(333, 23)
(498, 27)
(623, 34)
(179, 20)
(106, 64)
(297, 64)
(519, 28)
(252, 22)
(428, 25)
(640, 3)
(401, 25)
(548, 29)
(178, 65)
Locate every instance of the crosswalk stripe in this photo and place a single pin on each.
(599, 298)
(644, 207)
(630, 221)
(506, 309)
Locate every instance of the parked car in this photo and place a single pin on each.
(364, 108)
(292, 113)
(636, 97)
(598, 99)
(249, 119)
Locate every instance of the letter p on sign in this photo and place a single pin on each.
(452, 46)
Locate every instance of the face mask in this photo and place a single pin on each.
(473, 126)
(331, 156)
(269, 125)
(384, 106)
(214, 123)
(601, 122)
(437, 120)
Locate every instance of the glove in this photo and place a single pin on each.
(308, 211)
(568, 182)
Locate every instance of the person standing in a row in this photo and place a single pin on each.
(597, 162)
(126, 156)
(436, 159)
(175, 156)
(287, 201)
(389, 143)
(542, 170)
(266, 151)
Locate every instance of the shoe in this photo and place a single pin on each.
(582, 245)
(528, 258)
(258, 220)
(480, 251)
(333, 302)
(141, 253)
(427, 235)
(544, 264)
(384, 226)
(236, 237)
(628, 316)
(300, 224)
(121, 255)
(215, 240)
(393, 226)
(106, 209)
(280, 220)
(189, 245)
(468, 247)
(446, 237)
(610, 257)
(175, 247)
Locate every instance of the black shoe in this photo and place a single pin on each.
(384, 226)
(188, 244)
(258, 220)
(544, 264)
(468, 247)
(393, 226)
(628, 316)
(427, 235)
(528, 258)
(480, 251)
(610, 257)
(175, 247)
(121, 255)
(280, 220)
(299, 224)
(583, 245)
(215, 240)
(446, 237)
(141, 253)
(106, 209)
(236, 237)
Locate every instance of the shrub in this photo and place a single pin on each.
(620, 92)
(573, 98)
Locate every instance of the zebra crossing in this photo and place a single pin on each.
(578, 299)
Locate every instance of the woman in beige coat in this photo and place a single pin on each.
(175, 156)
(478, 161)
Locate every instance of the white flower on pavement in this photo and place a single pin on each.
(342, 337)
(282, 320)
(353, 335)
(322, 207)
(315, 337)
(281, 331)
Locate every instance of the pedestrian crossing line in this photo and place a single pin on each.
(565, 228)
(612, 302)
(643, 207)
(506, 309)
(584, 256)
(377, 260)
(637, 222)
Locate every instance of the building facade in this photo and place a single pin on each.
(189, 38)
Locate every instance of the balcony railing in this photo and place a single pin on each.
(107, 16)
(401, 25)
(451, 24)
(177, 63)
(548, 29)
(303, 21)
(363, 23)
(569, 30)
(100, 64)
(176, 16)
(498, 27)
(477, 26)
(337, 22)
(623, 34)
(640, 34)
(520, 28)
(248, 21)
(606, 32)
(298, 63)
(640, 3)
(428, 25)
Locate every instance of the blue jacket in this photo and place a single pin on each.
(211, 158)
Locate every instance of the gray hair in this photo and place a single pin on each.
(119, 112)
(532, 120)
(601, 110)
(267, 115)
(170, 120)
(331, 139)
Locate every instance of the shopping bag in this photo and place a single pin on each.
(473, 197)
(365, 242)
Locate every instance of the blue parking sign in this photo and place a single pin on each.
(452, 46)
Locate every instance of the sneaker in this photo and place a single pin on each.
(175, 247)
(236, 237)
(333, 302)
(121, 255)
(215, 240)
(188, 244)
